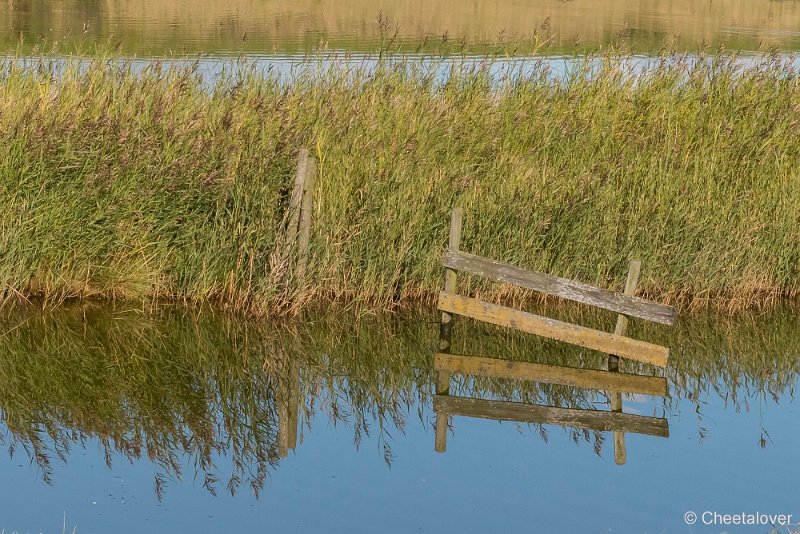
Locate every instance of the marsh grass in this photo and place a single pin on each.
(147, 183)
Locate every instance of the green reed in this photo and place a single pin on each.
(124, 182)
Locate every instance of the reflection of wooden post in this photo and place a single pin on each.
(441, 432)
(287, 399)
(294, 402)
(620, 453)
(281, 408)
(446, 329)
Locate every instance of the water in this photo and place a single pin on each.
(278, 28)
(117, 419)
(175, 420)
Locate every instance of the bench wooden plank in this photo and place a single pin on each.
(560, 287)
(550, 374)
(558, 330)
(532, 413)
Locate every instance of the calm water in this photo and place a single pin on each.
(278, 27)
(119, 420)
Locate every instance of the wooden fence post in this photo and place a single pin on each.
(446, 329)
(620, 454)
(295, 201)
(306, 208)
(622, 322)
(301, 204)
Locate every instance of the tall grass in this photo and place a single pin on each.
(146, 183)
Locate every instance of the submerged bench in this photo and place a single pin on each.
(625, 304)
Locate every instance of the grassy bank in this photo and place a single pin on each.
(147, 184)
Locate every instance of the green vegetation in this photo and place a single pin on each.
(118, 181)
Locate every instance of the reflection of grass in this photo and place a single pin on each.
(174, 385)
(87, 378)
(147, 185)
(183, 384)
(233, 26)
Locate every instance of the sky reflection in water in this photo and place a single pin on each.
(204, 396)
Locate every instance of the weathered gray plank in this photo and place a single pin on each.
(558, 330)
(560, 287)
(531, 413)
(550, 374)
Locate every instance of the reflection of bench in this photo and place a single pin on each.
(625, 304)
(615, 421)
(534, 413)
(550, 374)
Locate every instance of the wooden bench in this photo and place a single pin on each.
(625, 304)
